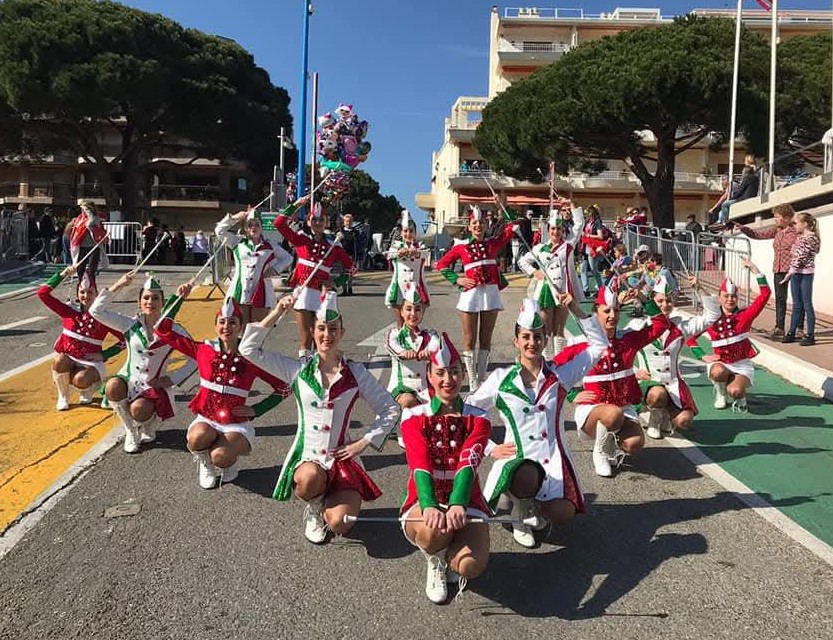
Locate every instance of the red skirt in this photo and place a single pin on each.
(349, 475)
(161, 401)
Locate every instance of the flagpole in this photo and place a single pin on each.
(733, 115)
(772, 71)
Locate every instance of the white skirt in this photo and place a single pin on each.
(583, 410)
(243, 428)
(307, 299)
(484, 297)
(98, 366)
(470, 511)
(743, 368)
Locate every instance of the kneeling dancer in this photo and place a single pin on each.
(323, 463)
(605, 408)
(221, 431)
(445, 441)
(140, 392)
(533, 465)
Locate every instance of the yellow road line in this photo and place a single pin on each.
(39, 444)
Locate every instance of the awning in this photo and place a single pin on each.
(511, 200)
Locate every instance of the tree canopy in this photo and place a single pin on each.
(366, 202)
(671, 83)
(73, 68)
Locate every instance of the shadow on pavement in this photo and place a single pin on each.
(589, 575)
(382, 540)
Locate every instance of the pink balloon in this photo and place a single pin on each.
(349, 143)
(351, 160)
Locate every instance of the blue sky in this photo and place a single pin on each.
(401, 64)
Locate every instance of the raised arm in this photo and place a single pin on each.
(190, 366)
(251, 348)
(578, 224)
(166, 333)
(227, 228)
(99, 310)
(53, 304)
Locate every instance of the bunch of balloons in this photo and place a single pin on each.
(341, 148)
(291, 186)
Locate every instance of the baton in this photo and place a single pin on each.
(150, 253)
(529, 522)
(682, 262)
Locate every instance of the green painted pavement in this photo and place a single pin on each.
(782, 449)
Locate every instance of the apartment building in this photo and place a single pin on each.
(523, 39)
(176, 188)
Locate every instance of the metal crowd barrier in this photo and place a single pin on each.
(222, 265)
(709, 256)
(124, 243)
(14, 235)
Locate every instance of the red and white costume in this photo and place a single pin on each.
(310, 253)
(612, 380)
(225, 382)
(82, 335)
(480, 263)
(730, 333)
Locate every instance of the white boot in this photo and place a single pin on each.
(208, 472)
(61, 381)
(719, 395)
(229, 474)
(435, 579)
(655, 421)
(524, 509)
(132, 437)
(559, 342)
(471, 371)
(147, 430)
(548, 352)
(85, 396)
(482, 363)
(315, 527)
(601, 449)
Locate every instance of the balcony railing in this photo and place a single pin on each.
(198, 193)
(9, 189)
(552, 13)
(533, 46)
(94, 190)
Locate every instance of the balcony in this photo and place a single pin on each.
(466, 115)
(46, 193)
(185, 196)
(534, 53)
(94, 192)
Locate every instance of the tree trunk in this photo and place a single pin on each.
(131, 174)
(659, 188)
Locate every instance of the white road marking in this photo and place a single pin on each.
(20, 323)
(25, 367)
(17, 292)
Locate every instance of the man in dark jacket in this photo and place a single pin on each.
(348, 243)
(46, 226)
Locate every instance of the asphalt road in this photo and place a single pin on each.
(663, 553)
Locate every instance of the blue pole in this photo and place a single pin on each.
(302, 128)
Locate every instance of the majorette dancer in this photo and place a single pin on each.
(445, 442)
(409, 349)
(311, 249)
(534, 466)
(323, 463)
(79, 359)
(605, 408)
(255, 261)
(140, 392)
(556, 259)
(664, 391)
(221, 431)
(480, 288)
(87, 231)
(408, 265)
(730, 367)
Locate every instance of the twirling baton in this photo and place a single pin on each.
(529, 522)
(150, 253)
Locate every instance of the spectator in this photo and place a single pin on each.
(164, 246)
(464, 167)
(783, 236)
(621, 260)
(199, 248)
(66, 248)
(525, 232)
(150, 235)
(748, 188)
(591, 253)
(692, 225)
(33, 232)
(46, 231)
(800, 275)
(349, 244)
(179, 246)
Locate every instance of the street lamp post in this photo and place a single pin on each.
(302, 129)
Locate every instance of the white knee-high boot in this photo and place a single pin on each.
(559, 342)
(468, 358)
(132, 437)
(61, 381)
